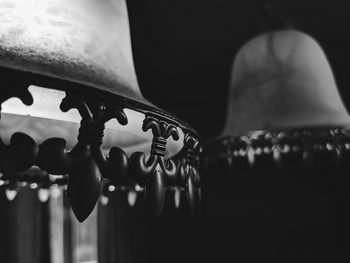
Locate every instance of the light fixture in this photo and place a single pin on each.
(72, 62)
(279, 167)
(282, 89)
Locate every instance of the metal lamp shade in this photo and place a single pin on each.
(282, 79)
(87, 42)
(89, 120)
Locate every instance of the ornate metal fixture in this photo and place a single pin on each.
(277, 169)
(277, 148)
(83, 48)
(88, 170)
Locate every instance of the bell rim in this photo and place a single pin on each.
(137, 104)
(308, 141)
(156, 172)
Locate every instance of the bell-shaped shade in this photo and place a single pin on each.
(282, 79)
(85, 41)
(278, 173)
(73, 45)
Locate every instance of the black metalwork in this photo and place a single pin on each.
(308, 145)
(156, 171)
(86, 167)
(189, 171)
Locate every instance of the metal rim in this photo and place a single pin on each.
(306, 143)
(88, 170)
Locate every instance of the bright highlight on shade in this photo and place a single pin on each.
(11, 194)
(43, 194)
(44, 120)
(132, 196)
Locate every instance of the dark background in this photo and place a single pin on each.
(183, 52)
(183, 49)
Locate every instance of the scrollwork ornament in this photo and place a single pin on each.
(23, 161)
(189, 171)
(155, 172)
(87, 161)
(308, 146)
(84, 164)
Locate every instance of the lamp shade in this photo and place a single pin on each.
(82, 41)
(276, 177)
(282, 79)
(84, 119)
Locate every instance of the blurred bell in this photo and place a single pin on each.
(282, 79)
